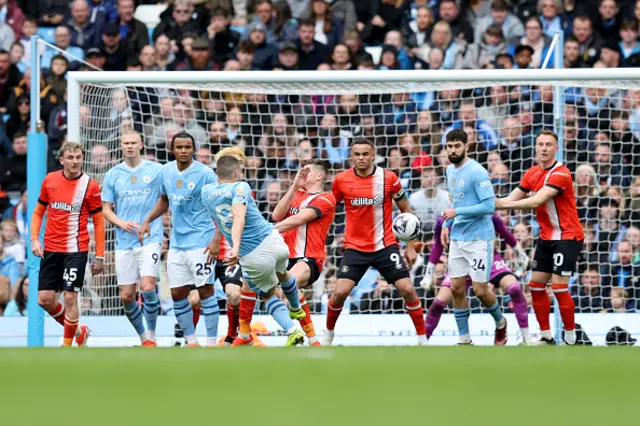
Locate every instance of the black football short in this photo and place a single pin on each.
(62, 271)
(557, 257)
(312, 263)
(387, 261)
(228, 275)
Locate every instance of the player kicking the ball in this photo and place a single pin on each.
(469, 227)
(255, 245)
(368, 191)
(68, 197)
(501, 277)
(308, 213)
(561, 234)
(191, 233)
(133, 187)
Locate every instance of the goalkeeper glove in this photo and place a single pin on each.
(427, 280)
(522, 258)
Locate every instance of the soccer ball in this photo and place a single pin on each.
(406, 226)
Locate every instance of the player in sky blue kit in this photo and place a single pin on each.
(133, 187)
(191, 233)
(260, 249)
(470, 228)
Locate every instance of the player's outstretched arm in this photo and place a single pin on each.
(36, 224)
(516, 195)
(97, 265)
(158, 210)
(541, 197)
(410, 254)
(281, 210)
(130, 226)
(304, 216)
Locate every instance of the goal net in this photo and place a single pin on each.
(279, 124)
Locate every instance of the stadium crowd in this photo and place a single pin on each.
(601, 132)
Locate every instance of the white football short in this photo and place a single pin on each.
(259, 267)
(188, 267)
(472, 258)
(135, 263)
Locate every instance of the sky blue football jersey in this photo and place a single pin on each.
(470, 185)
(219, 198)
(134, 192)
(191, 225)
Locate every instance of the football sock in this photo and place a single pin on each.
(233, 318)
(496, 313)
(519, 306)
(184, 316)
(196, 316)
(70, 327)
(58, 314)
(277, 309)
(290, 290)
(414, 309)
(567, 311)
(333, 312)
(541, 307)
(211, 313)
(151, 308)
(134, 313)
(306, 322)
(462, 320)
(433, 316)
(247, 305)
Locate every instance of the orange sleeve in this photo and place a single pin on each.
(524, 182)
(36, 220)
(98, 232)
(335, 188)
(560, 181)
(93, 197)
(324, 204)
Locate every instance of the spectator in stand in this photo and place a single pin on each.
(417, 31)
(342, 58)
(629, 44)
(311, 52)
(607, 24)
(328, 28)
(624, 275)
(133, 32)
(610, 170)
(398, 162)
(222, 38)
(102, 11)
(610, 54)
(164, 54)
(590, 42)
(460, 28)
(345, 12)
(589, 296)
(279, 25)
(147, 58)
(246, 54)
(394, 38)
(534, 38)
(19, 122)
(388, 17)
(6, 36)
(430, 200)
(353, 41)
(388, 58)
(12, 15)
(5, 294)
(84, 33)
(285, 27)
(18, 306)
(115, 50)
(263, 51)
(468, 116)
(480, 54)
(417, 157)
(13, 170)
(442, 38)
(552, 17)
(218, 136)
(17, 55)
(178, 24)
(427, 130)
(57, 77)
(62, 39)
(586, 192)
(204, 155)
(199, 59)
(287, 59)
(29, 29)
(516, 151)
(572, 55)
(14, 245)
(399, 115)
(48, 100)
(496, 108)
(500, 15)
(95, 57)
(331, 144)
(272, 195)
(8, 266)
(609, 229)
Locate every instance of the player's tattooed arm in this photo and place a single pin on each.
(158, 210)
(541, 197)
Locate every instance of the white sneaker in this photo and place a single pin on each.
(328, 337)
(422, 340)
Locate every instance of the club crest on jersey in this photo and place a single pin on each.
(364, 201)
(179, 184)
(453, 182)
(191, 185)
(134, 179)
(146, 179)
(461, 183)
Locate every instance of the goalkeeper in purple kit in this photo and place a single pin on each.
(501, 276)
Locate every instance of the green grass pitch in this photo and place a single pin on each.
(393, 386)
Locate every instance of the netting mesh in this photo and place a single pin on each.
(281, 125)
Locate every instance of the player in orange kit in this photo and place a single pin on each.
(306, 214)
(561, 234)
(368, 192)
(68, 197)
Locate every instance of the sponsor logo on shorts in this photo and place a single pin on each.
(535, 264)
(345, 269)
(566, 273)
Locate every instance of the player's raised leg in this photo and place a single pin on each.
(302, 272)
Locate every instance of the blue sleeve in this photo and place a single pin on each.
(241, 193)
(449, 223)
(482, 185)
(107, 188)
(487, 206)
(163, 189)
(211, 176)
